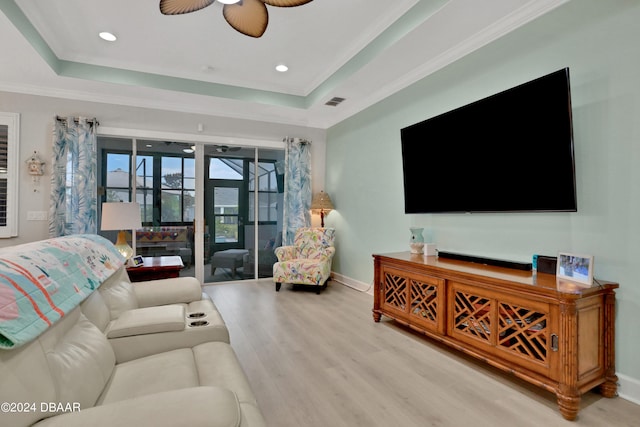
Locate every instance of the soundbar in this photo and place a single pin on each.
(526, 266)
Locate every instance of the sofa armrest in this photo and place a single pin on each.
(285, 253)
(193, 407)
(148, 320)
(167, 291)
(329, 252)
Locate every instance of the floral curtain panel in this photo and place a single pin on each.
(73, 205)
(297, 188)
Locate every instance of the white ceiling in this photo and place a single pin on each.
(361, 50)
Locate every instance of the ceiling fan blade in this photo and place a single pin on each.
(286, 3)
(177, 7)
(250, 17)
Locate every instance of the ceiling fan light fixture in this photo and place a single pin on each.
(224, 148)
(229, 1)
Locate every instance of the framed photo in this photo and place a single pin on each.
(575, 268)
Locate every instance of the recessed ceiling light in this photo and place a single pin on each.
(282, 68)
(107, 36)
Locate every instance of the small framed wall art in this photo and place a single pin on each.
(575, 268)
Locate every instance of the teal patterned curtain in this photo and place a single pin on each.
(73, 179)
(297, 188)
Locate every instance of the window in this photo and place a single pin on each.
(118, 188)
(9, 135)
(230, 169)
(178, 192)
(165, 185)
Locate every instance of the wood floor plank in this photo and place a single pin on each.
(320, 360)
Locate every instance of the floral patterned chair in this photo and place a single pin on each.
(308, 261)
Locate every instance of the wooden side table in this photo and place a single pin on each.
(153, 268)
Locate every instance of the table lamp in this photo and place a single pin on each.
(121, 216)
(322, 202)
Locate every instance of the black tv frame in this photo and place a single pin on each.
(509, 152)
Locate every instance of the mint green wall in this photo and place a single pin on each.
(599, 42)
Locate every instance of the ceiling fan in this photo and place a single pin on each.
(250, 17)
(225, 148)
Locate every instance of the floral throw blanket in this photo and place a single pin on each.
(42, 281)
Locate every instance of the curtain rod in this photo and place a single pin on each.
(93, 121)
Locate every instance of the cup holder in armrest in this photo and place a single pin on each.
(196, 315)
(199, 323)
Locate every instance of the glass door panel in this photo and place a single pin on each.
(144, 187)
(266, 178)
(226, 214)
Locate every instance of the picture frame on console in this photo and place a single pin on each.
(575, 268)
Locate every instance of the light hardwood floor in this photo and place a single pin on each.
(321, 360)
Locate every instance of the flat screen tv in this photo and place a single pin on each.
(509, 152)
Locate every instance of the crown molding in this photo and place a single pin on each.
(533, 10)
(214, 99)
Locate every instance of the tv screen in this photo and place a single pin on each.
(509, 152)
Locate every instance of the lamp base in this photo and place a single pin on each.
(122, 246)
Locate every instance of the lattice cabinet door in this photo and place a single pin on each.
(426, 303)
(471, 316)
(394, 291)
(514, 329)
(524, 333)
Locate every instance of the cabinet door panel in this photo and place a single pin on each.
(427, 302)
(522, 330)
(394, 297)
(471, 314)
(514, 329)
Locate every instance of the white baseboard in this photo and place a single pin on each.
(628, 387)
(352, 283)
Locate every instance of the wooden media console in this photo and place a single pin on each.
(555, 335)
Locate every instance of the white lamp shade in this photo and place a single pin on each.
(120, 216)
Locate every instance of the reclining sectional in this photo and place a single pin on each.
(81, 345)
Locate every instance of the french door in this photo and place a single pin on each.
(225, 210)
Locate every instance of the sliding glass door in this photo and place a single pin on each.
(241, 203)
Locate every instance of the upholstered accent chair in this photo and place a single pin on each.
(308, 260)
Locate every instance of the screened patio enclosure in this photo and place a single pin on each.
(240, 190)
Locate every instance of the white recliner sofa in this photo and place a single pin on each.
(145, 318)
(106, 352)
